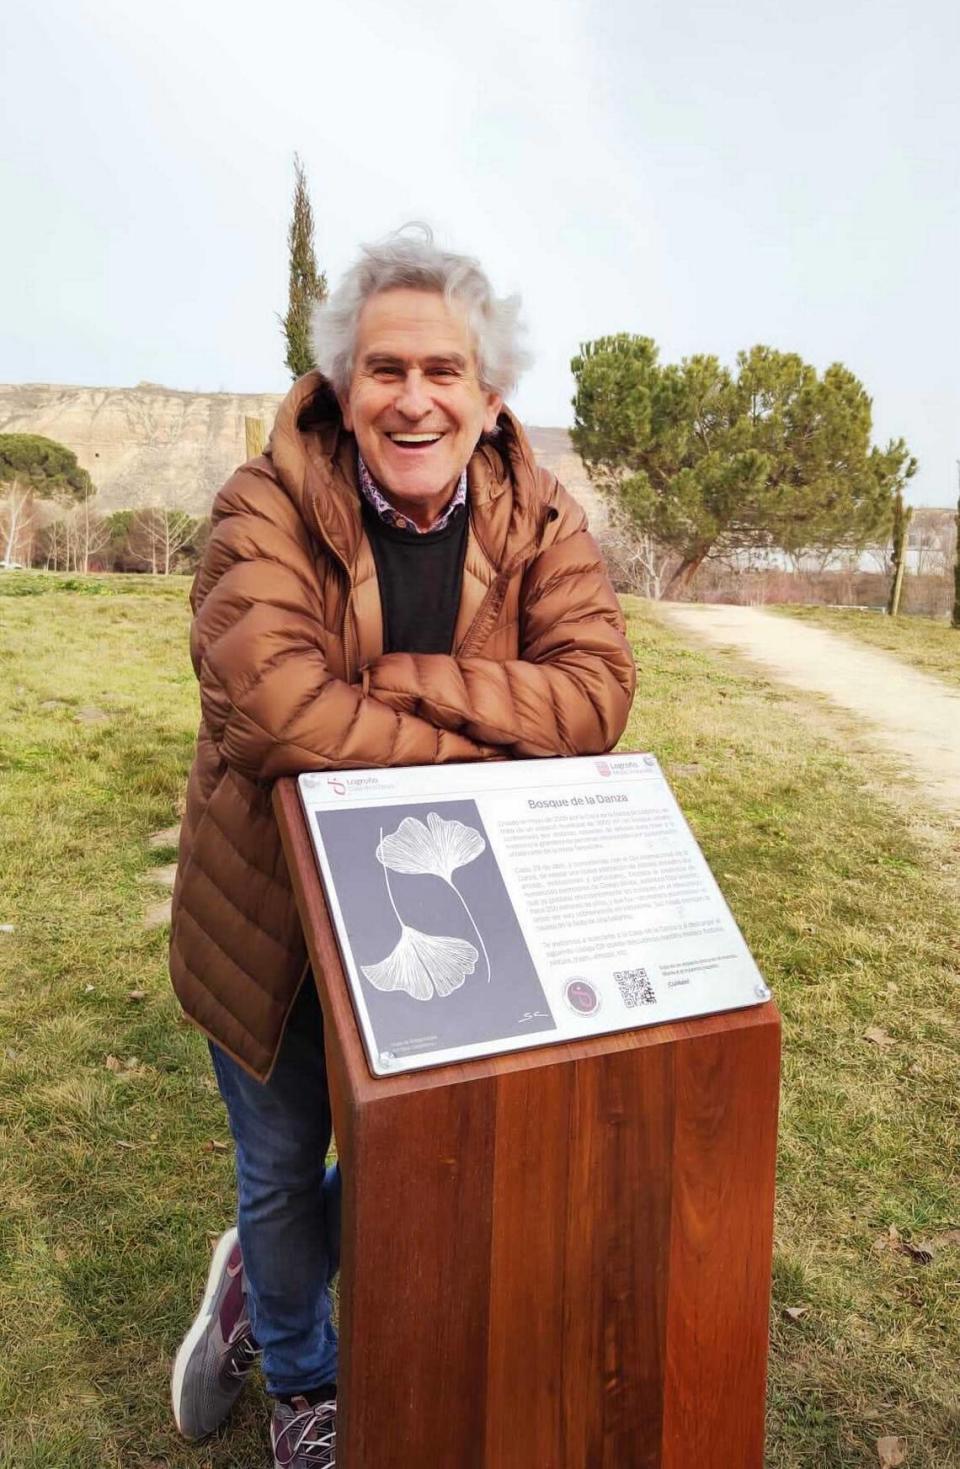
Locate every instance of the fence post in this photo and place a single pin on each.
(256, 434)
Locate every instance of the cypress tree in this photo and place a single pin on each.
(308, 284)
(902, 515)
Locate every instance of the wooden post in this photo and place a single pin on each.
(556, 1258)
(256, 435)
(898, 585)
(902, 515)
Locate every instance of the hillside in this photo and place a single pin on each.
(151, 445)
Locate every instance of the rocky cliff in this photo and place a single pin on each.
(151, 445)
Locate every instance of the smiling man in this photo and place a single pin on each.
(394, 582)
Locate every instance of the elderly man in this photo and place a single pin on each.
(394, 582)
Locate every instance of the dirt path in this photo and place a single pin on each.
(906, 713)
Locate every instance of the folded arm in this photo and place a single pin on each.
(268, 697)
(568, 693)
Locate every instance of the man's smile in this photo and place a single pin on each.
(416, 441)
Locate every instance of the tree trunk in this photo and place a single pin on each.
(18, 502)
(901, 523)
(893, 606)
(685, 573)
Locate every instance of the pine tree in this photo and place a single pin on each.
(709, 462)
(35, 468)
(308, 284)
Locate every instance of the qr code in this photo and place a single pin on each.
(635, 987)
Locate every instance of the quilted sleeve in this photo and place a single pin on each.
(268, 698)
(570, 691)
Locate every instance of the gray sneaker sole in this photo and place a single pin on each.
(199, 1328)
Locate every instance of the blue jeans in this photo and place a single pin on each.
(288, 1201)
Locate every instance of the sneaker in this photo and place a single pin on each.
(304, 1435)
(218, 1351)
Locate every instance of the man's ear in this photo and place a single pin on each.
(491, 413)
(347, 416)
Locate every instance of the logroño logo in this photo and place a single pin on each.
(603, 767)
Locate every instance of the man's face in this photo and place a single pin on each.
(415, 402)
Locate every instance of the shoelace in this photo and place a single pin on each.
(312, 1433)
(244, 1353)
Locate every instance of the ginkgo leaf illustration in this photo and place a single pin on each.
(423, 963)
(439, 847)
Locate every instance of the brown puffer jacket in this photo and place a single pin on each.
(287, 643)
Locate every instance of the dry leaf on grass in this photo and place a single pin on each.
(130, 1067)
(891, 1451)
(921, 1251)
(136, 994)
(878, 1037)
(213, 1145)
(795, 1313)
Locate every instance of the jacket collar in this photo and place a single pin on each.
(315, 459)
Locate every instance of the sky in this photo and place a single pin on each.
(710, 174)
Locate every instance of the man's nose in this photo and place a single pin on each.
(413, 400)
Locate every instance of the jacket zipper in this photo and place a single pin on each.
(348, 630)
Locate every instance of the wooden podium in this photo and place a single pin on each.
(556, 1258)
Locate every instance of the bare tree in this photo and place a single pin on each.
(156, 536)
(881, 555)
(636, 562)
(88, 533)
(53, 547)
(17, 525)
(931, 540)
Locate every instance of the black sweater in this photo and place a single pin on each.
(420, 577)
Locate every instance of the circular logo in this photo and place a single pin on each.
(581, 996)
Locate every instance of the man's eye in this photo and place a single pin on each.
(443, 372)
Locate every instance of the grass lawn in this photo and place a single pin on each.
(109, 1182)
(932, 647)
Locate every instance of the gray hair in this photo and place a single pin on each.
(409, 258)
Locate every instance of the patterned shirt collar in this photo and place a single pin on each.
(375, 497)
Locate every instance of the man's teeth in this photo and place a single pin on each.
(415, 438)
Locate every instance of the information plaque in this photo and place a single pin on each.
(486, 908)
